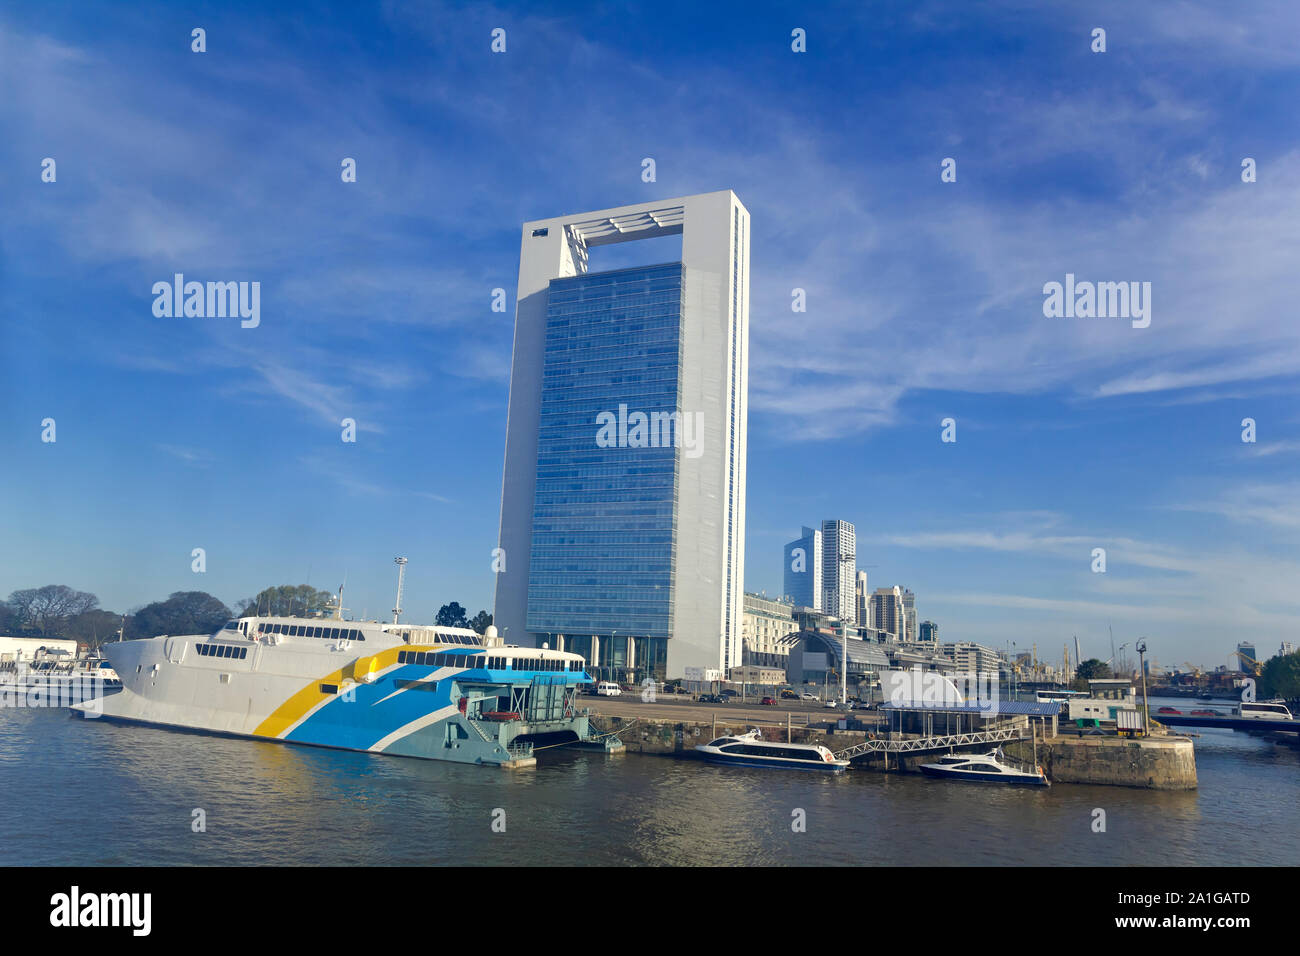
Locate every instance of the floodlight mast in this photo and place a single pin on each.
(401, 575)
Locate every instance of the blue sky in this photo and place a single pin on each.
(924, 298)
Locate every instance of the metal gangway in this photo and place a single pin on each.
(923, 744)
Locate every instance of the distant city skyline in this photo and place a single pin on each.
(885, 300)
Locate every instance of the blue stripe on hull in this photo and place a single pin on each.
(360, 723)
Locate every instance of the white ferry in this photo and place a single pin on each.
(74, 677)
(984, 769)
(751, 750)
(441, 693)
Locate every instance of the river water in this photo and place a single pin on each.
(91, 792)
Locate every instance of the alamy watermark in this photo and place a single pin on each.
(23, 687)
(652, 430)
(917, 688)
(1101, 300)
(213, 300)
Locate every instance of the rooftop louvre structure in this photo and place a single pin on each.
(623, 495)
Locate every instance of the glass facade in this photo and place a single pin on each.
(603, 549)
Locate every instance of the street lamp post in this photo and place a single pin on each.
(1146, 708)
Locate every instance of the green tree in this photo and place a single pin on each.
(184, 612)
(451, 615)
(288, 600)
(1280, 677)
(94, 627)
(1091, 669)
(48, 609)
(10, 620)
(481, 622)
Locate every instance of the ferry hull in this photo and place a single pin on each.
(978, 777)
(771, 764)
(325, 696)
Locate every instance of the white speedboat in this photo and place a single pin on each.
(987, 768)
(751, 750)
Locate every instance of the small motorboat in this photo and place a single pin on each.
(751, 750)
(984, 769)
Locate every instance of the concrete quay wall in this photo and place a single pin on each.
(1154, 763)
(1157, 763)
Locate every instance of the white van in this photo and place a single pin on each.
(608, 689)
(1265, 710)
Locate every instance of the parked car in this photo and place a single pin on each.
(1169, 710)
(712, 699)
(608, 689)
(1206, 713)
(769, 701)
(808, 696)
(831, 704)
(789, 695)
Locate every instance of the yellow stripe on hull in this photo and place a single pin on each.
(311, 696)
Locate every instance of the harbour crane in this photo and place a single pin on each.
(1253, 666)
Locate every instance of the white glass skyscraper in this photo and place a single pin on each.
(839, 568)
(623, 494)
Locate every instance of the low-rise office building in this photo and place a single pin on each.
(764, 623)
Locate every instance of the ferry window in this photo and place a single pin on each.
(329, 688)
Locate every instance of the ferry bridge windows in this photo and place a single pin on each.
(328, 633)
(222, 650)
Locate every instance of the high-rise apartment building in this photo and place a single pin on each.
(909, 616)
(839, 567)
(623, 493)
(862, 600)
(888, 613)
